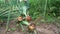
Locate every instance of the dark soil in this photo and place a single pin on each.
(42, 28)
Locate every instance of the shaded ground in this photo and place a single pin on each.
(43, 28)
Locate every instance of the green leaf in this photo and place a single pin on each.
(13, 29)
(25, 23)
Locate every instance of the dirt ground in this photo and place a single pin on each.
(43, 28)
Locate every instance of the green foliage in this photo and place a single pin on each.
(11, 9)
(46, 8)
(13, 29)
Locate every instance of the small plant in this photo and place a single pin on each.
(28, 18)
(20, 18)
(31, 27)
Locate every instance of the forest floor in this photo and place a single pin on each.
(42, 28)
